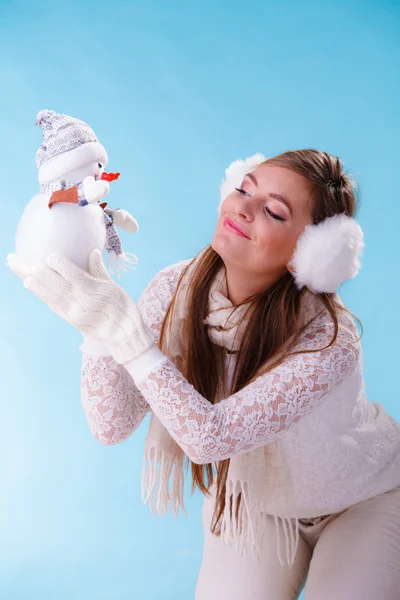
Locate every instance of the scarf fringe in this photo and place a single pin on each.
(155, 481)
(248, 529)
(118, 263)
(292, 545)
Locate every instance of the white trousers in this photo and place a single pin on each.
(351, 555)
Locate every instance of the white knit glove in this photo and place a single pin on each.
(91, 302)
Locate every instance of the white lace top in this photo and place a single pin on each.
(341, 447)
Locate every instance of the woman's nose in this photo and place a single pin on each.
(245, 208)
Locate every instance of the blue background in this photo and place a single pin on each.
(175, 91)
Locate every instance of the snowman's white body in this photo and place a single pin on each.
(67, 229)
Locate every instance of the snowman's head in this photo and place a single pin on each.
(70, 149)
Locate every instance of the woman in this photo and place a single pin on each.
(252, 368)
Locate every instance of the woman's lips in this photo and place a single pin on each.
(234, 228)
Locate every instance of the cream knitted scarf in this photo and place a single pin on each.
(253, 475)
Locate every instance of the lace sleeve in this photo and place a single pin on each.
(260, 412)
(113, 405)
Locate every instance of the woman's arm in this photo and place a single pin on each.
(259, 413)
(112, 403)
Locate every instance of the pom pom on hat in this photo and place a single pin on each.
(45, 117)
(68, 143)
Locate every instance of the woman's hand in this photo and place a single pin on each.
(89, 301)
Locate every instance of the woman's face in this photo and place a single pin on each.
(272, 225)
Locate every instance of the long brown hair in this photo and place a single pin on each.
(273, 315)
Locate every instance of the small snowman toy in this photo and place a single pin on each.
(68, 216)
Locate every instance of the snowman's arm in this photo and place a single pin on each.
(113, 406)
(123, 219)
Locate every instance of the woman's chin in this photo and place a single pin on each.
(228, 251)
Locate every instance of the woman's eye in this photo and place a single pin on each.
(273, 215)
(241, 190)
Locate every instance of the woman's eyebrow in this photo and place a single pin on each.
(272, 194)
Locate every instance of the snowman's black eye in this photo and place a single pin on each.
(100, 166)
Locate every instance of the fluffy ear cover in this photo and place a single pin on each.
(328, 254)
(235, 173)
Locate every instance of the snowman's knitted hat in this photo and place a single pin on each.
(68, 143)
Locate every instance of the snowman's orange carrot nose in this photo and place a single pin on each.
(110, 176)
